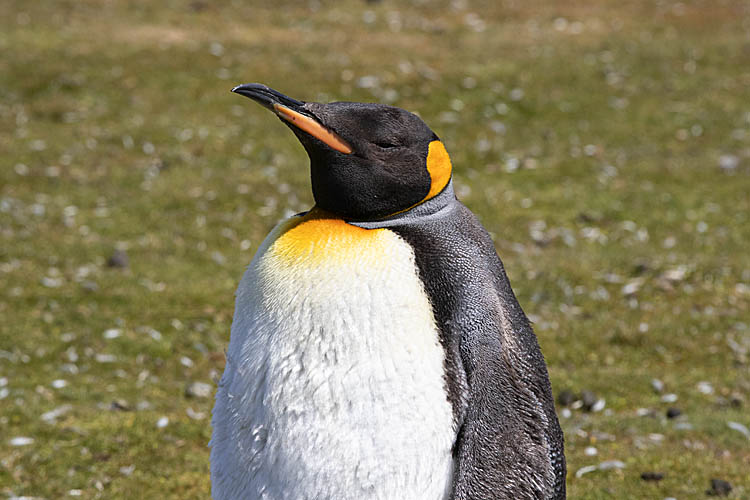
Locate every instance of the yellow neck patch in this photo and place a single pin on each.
(439, 167)
(319, 237)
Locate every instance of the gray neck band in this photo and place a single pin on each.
(431, 210)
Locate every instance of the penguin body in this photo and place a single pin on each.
(334, 366)
(377, 349)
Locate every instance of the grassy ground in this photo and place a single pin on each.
(606, 145)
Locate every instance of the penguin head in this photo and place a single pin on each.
(367, 161)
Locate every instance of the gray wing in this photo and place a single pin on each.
(509, 444)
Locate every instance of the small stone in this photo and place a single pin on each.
(632, 287)
(143, 405)
(162, 422)
(118, 259)
(589, 400)
(729, 162)
(669, 398)
(652, 476)
(657, 385)
(675, 274)
(59, 383)
(195, 415)
(673, 412)
(51, 416)
(739, 428)
(566, 397)
(585, 470)
(119, 405)
(705, 387)
(105, 358)
(199, 390)
(599, 405)
(127, 470)
(218, 257)
(611, 464)
(51, 282)
(112, 333)
(719, 488)
(21, 441)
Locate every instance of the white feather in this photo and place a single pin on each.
(334, 384)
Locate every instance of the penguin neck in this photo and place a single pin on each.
(433, 209)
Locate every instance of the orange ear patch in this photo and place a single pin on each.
(439, 167)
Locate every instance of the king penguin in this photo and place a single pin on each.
(377, 350)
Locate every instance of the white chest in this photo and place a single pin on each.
(334, 383)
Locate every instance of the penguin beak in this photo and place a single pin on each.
(294, 113)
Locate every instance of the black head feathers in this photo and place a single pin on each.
(367, 161)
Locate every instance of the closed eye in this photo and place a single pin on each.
(386, 145)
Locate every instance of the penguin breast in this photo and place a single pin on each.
(334, 385)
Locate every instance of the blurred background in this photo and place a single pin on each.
(605, 145)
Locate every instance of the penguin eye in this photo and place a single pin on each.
(386, 145)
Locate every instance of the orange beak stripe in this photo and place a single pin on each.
(312, 127)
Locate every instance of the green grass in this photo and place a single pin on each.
(596, 130)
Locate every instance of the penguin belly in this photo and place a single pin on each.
(335, 385)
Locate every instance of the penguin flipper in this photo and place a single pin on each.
(509, 444)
